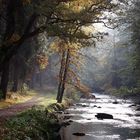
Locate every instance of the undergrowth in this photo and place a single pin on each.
(38, 123)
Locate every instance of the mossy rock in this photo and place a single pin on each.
(56, 107)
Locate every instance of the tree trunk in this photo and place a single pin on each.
(61, 75)
(61, 88)
(4, 80)
(16, 64)
(33, 80)
(15, 84)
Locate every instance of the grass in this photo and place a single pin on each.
(39, 122)
(35, 123)
(47, 97)
(16, 98)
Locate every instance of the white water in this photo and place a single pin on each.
(124, 126)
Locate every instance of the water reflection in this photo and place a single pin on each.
(124, 126)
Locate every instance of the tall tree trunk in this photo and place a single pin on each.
(15, 81)
(15, 84)
(61, 74)
(10, 27)
(4, 80)
(16, 64)
(64, 78)
(33, 80)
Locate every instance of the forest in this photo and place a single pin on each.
(60, 60)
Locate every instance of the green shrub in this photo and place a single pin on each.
(123, 90)
(34, 124)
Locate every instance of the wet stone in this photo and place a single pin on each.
(90, 96)
(119, 121)
(102, 116)
(99, 107)
(133, 105)
(79, 134)
(70, 121)
(88, 119)
(67, 117)
(138, 109)
(82, 105)
(137, 115)
(78, 104)
(85, 105)
(59, 112)
(65, 124)
(116, 102)
(66, 113)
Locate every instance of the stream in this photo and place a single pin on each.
(125, 124)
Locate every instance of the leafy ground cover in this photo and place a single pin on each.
(32, 119)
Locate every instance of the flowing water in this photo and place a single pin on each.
(125, 124)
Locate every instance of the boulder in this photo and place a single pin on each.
(85, 105)
(91, 96)
(89, 119)
(70, 121)
(88, 96)
(67, 117)
(82, 105)
(99, 107)
(133, 105)
(79, 134)
(65, 124)
(138, 109)
(83, 96)
(115, 102)
(78, 104)
(66, 113)
(59, 112)
(103, 116)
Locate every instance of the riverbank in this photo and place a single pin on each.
(38, 119)
(39, 123)
(124, 93)
(135, 97)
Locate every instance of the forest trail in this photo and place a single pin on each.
(17, 108)
(14, 109)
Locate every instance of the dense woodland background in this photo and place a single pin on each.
(72, 45)
(64, 50)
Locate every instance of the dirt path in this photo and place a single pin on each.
(14, 109)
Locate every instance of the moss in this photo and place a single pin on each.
(56, 107)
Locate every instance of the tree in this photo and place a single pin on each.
(132, 20)
(56, 18)
(134, 25)
(70, 62)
